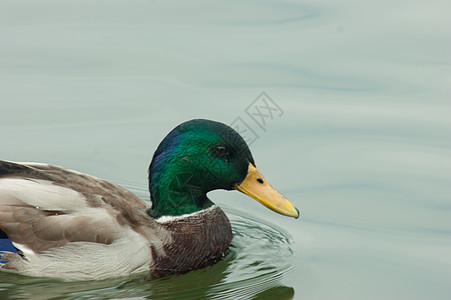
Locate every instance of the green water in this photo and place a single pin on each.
(358, 137)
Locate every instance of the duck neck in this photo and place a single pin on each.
(173, 193)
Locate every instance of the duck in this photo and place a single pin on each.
(65, 224)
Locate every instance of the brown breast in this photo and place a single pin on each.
(196, 242)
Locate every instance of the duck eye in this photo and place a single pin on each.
(221, 150)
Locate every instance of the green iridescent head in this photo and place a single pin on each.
(194, 158)
(202, 155)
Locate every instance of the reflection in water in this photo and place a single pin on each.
(259, 256)
(279, 293)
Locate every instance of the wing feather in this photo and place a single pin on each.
(44, 206)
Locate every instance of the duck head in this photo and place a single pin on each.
(199, 156)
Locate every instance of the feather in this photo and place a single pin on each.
(71, 225)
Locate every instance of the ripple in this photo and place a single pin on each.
(261, 254)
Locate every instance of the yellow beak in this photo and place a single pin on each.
(256, 186)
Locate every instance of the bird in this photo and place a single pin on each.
(57, 222)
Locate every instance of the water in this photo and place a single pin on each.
(360, 141)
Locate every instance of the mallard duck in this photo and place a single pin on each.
(65, 224)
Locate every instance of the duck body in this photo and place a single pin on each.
(70, 225)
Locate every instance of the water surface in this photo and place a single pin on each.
(360, 141)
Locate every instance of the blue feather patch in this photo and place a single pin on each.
(6, 246)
